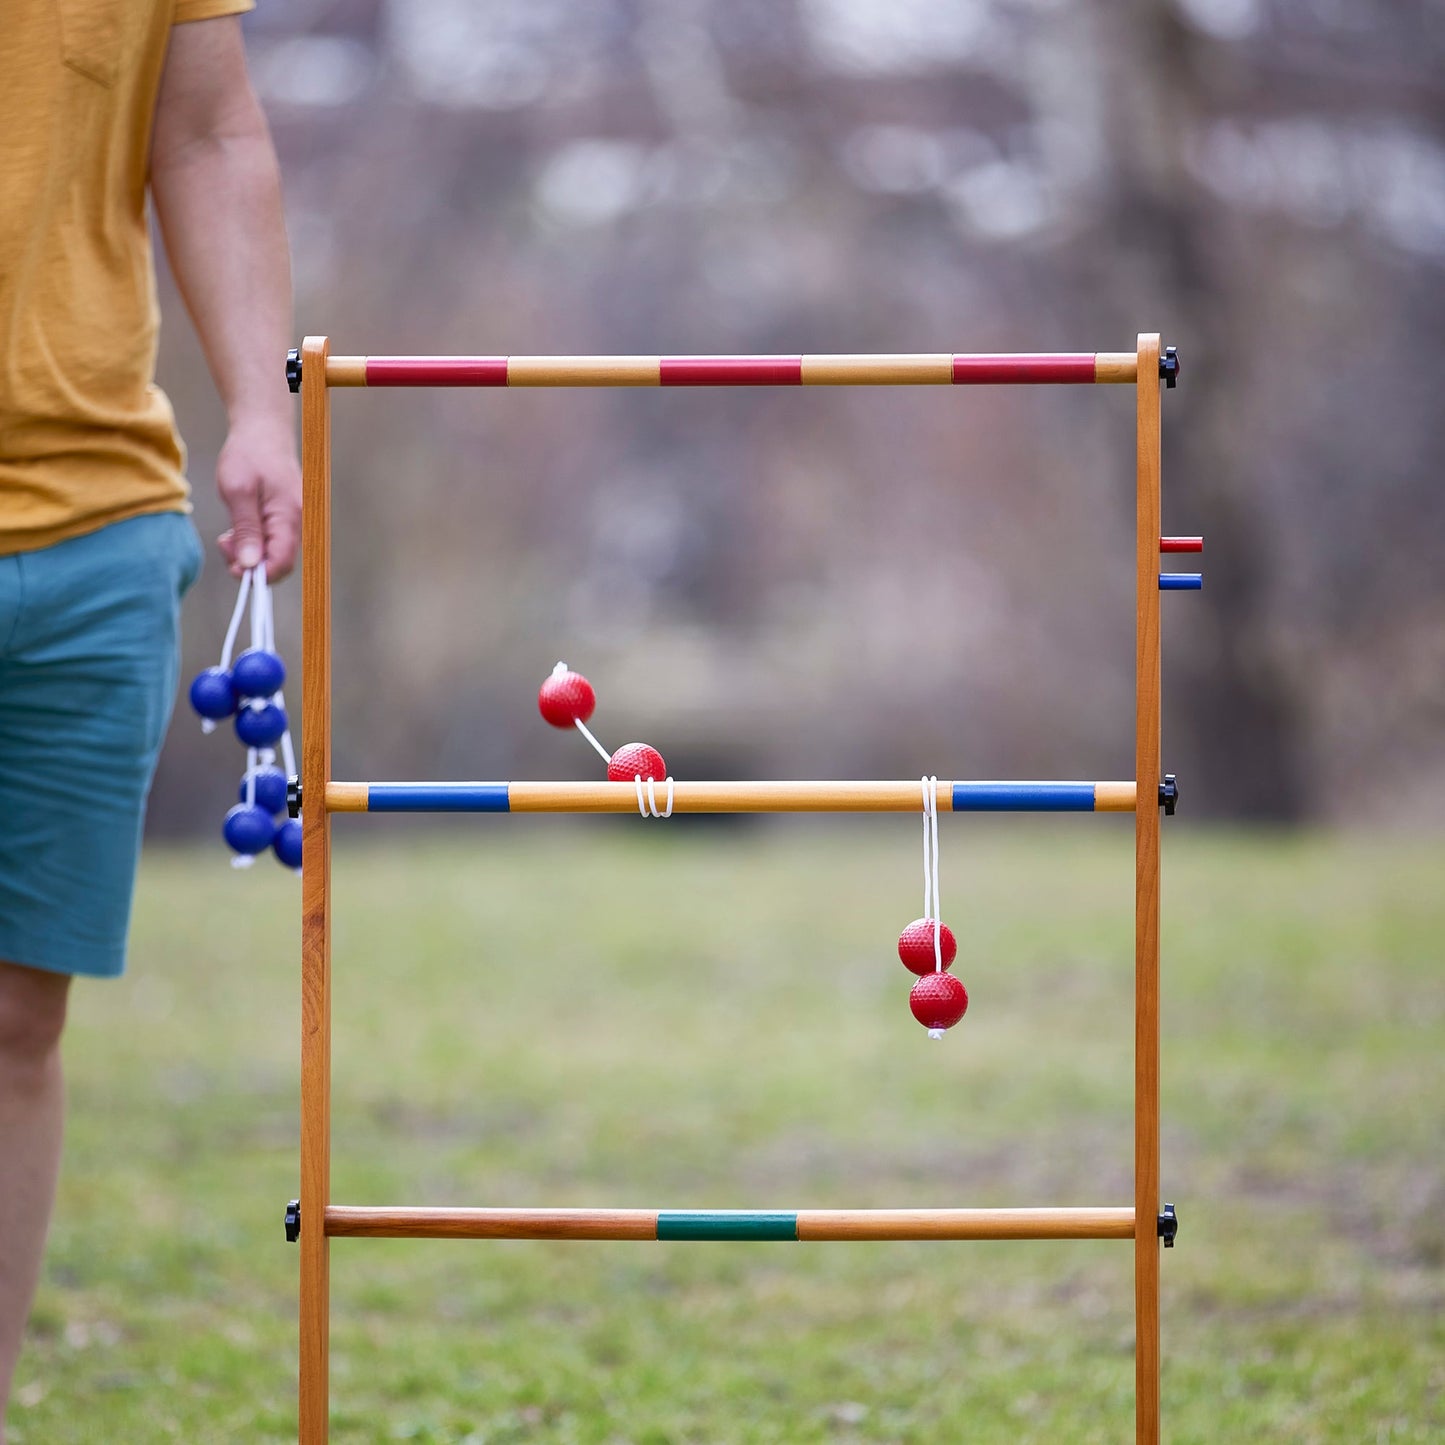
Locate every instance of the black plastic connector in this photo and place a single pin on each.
(1168, 368)
(293, 797)
(1168, 1226)
(293, 1221)
(293, 369)
(1168, 795)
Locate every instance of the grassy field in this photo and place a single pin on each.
(667, 1015)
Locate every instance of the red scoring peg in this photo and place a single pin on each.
(1181, 544)
(634, 760)
(566, 698)
(938, 1001)
(915, 946)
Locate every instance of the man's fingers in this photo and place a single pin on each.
(260, 484)
(283, 527)
(227, 543)
(240, 490)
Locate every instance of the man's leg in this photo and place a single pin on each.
(32, 1014)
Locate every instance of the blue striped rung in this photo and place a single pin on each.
(1023, 797)
(438, 798)
(1181, 581)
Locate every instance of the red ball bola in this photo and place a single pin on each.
(566, 698)
(938, 1001)
(633, 760)
(915, 946)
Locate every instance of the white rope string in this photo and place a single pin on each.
(582, 728)
(287, 752)
(932, 905)
(236, 616)
(648, 809)
(208, 725)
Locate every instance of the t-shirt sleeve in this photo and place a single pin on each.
(209, 9)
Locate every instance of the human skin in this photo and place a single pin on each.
(217, 194)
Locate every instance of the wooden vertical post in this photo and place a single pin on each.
(315, 891)
(1146, 901)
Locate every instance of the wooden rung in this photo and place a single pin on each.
(728, 797)
(344, 1220)
(906, 369)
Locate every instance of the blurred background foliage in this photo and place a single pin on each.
(859, 582)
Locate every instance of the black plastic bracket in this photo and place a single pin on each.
(293, 369)
(1168, 1226)
(1168, 795)
(1168, 368)
(293, 797)
(293, 1221)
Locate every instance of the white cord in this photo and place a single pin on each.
(648, 809)
(932, 905)
(582, 728)
(287, 752)
(235, 626)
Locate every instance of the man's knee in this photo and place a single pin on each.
(32, 1015)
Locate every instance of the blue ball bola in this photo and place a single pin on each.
(287, 843)
(258, 673)
(270, 790)
(259, 725)
(212, 693)
(248, 830)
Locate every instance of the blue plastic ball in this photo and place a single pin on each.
(212, 694)
(287, 843)
(248, 830)
(270, 790)
(260, 725)
(258, 673)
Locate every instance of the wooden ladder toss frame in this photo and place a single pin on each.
(318, 372)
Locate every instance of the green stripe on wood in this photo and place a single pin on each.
(726, 1224)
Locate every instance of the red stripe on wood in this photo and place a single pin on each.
(1023, 367)
(436, 371)
(732, 371)
(1181, 544)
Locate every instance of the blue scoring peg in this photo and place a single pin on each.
(260, 724)
(270, 785)
(212, 693)
(248, 830)
(258, 673)
(1181, 581)
(287, 843)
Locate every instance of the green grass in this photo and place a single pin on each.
(690, 1018)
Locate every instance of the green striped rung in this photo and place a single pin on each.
(726, 1224)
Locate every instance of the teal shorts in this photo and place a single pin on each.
(89, 661)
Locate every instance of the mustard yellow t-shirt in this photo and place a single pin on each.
(86, 437)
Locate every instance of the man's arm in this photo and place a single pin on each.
(217, 196)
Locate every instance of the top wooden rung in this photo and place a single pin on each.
(910, 369)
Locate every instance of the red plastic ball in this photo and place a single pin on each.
(634, 760)
(938, 1000)
(566, 698)
(915, 946)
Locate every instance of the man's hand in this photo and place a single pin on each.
(260, 483)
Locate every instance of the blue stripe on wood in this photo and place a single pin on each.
(437, 798)
(1023, 797)
(726, 1224)
(1181, 581)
